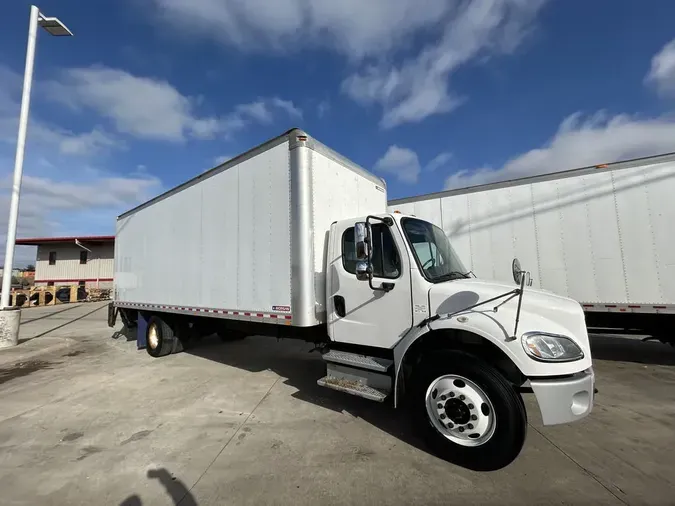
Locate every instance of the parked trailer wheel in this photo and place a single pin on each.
(160, 338)
(467, 412)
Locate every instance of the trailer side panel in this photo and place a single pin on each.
(601, 237)
(213, 245)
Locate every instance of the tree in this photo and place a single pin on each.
(30, 267)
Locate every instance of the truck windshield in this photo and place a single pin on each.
(432, 250)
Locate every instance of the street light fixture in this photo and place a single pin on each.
(54, 27)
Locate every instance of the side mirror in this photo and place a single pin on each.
(362, 271)
(361, 242)
(519, 274)
(517, 271)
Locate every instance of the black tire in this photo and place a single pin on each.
(166, 339)
(509, 410)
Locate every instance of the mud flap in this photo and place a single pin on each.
(141, 330)
(112, 314)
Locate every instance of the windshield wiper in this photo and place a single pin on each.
(451, 275)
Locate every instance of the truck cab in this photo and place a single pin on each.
(459, 349)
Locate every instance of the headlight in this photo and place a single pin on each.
(551, 347)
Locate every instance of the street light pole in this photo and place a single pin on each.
(54, 27)
(18, 161)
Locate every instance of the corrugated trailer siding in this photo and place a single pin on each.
(599, 237)
(68, 267)
(337, 192)
(223, 248)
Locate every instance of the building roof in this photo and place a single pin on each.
(37, 241)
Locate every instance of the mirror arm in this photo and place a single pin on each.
(520, 301)
(444, 316)
(385, 287)
(386, 220)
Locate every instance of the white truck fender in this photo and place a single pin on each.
(400, 350)
(499, 340)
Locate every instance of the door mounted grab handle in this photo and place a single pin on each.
(339, 303)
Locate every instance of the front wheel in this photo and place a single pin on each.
(467, 412)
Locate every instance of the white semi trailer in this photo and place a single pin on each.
(292, 240)
(602, 235)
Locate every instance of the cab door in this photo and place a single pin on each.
(358, 314)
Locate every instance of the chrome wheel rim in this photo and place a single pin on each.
(153, 336)
(460, 410)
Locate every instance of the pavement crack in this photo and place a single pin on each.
(229, 440)
(580, 466)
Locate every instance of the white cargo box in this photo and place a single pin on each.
(602, 235)
(247, 239)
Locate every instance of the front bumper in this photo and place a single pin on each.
(564, 400)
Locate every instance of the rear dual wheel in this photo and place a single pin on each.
(161, 339)
(467, 412)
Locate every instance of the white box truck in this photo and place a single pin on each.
(292, 240)
(602, 235)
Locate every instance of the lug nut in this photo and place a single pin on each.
(461, 429)
(470, 426)
(452, 394)
(440, 406)
(442, 397)
(474, 417)
(442, 417)
(461, 397)
(470, 406)
(450, 425)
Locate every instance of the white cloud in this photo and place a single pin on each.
(46, 204)
(353, 28)
(287, 106)
(218, 160)
(374, 35)
(581, 142)
(323, 108)
(662, 72)
(61, 193)
(418, 88)
(138, 106)
(400, 162)
(88, 143)
(150, 108)
(439, 161)
(105, 192)
(64, 141)
(405, 164)
(256, 110)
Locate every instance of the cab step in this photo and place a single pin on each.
(352, 387)
(371, 385)
(360, 361)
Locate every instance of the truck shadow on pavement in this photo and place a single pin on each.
(299, 368)
(628, 349)
(174, 487)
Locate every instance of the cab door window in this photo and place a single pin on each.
(386, 260)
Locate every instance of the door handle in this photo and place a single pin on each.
(339, 303)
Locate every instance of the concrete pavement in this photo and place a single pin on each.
(98, 422)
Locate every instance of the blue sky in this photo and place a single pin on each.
(429, 94)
